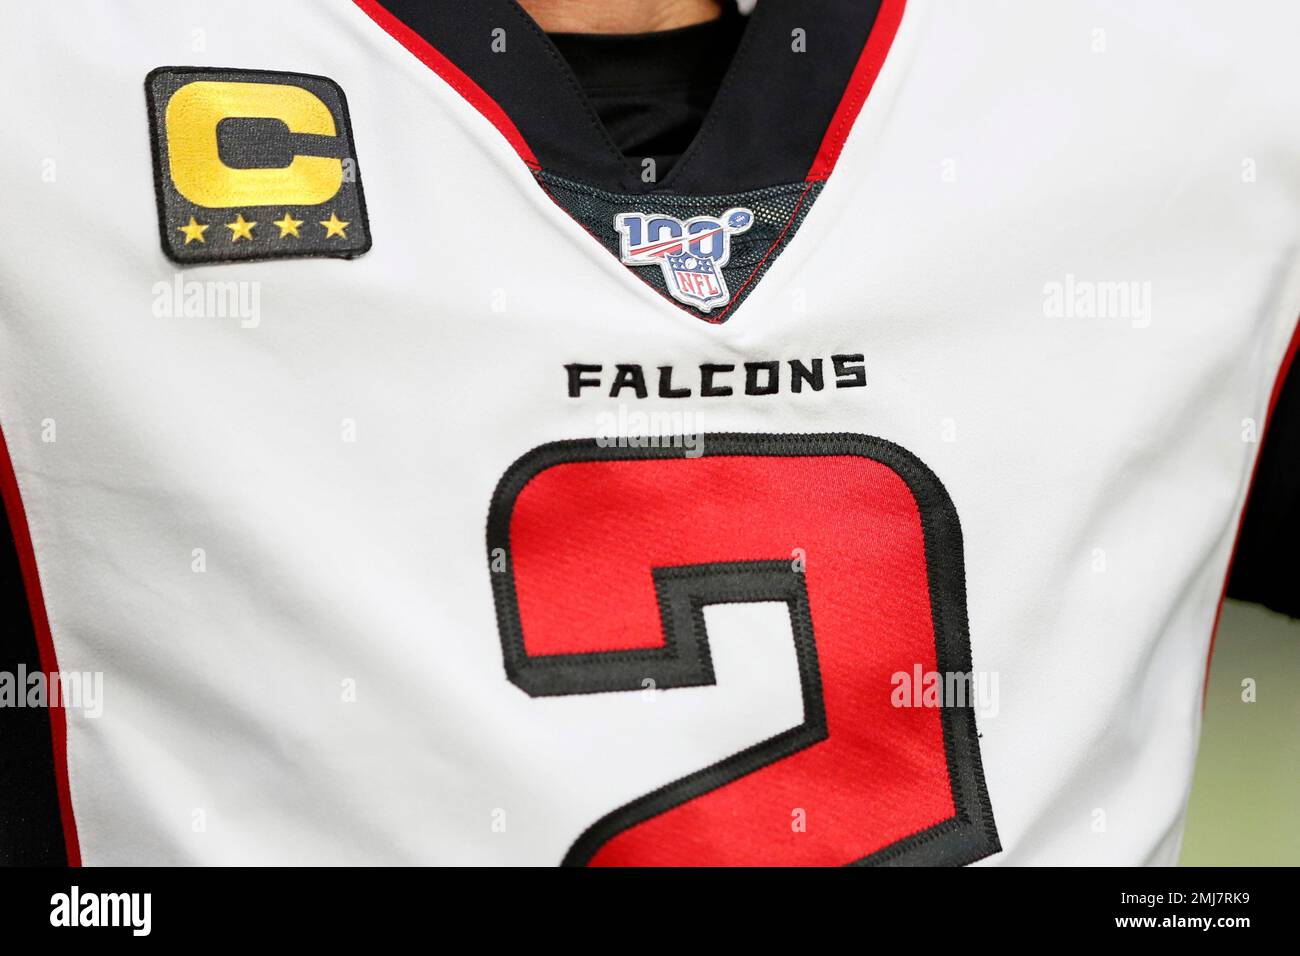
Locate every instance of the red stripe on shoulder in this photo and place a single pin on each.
(470, 91)
(864, 76)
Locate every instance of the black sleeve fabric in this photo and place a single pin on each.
(1266, 569)
(31, 829)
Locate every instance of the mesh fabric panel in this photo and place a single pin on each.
(778, 211)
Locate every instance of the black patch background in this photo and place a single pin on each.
(272, 145)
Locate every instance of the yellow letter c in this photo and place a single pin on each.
(196, 167)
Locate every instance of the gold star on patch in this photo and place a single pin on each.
(334, 226)
(288, 226)
(240, 228)
(193, 230)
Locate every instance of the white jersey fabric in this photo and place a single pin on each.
(1064, 238)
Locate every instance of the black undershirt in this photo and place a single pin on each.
(651, 90)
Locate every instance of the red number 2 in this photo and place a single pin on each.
(611, 554)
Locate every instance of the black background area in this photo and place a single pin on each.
(31, 828)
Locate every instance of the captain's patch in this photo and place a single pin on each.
(252, 164)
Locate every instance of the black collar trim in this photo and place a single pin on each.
(780, 115)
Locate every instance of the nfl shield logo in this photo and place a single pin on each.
(690, 252)
(696, 278)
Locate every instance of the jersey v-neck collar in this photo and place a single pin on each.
(796, 67)
(705, 234)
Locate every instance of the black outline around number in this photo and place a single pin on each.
(684, 660)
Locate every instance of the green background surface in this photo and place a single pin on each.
(1245, 803)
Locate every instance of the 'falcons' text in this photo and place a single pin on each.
(713, 380)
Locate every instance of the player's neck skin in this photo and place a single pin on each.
(622, 16)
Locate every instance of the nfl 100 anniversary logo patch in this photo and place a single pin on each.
(691, 253)
(253, 164)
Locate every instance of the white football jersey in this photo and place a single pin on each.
(405, 477)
